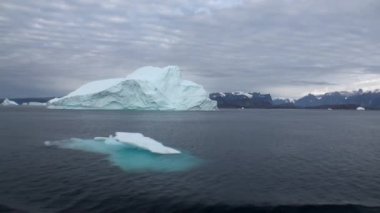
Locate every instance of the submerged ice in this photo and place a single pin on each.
(147, 88)
(132, 152)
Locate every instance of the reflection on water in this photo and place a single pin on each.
(130, 158)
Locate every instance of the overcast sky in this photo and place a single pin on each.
(284, 47)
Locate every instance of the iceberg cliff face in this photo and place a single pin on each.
(148, 88)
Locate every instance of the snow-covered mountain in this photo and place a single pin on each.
(147, 88)
(368, 99)
(242, 100)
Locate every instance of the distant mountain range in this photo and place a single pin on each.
(369, 99)
(334, 100)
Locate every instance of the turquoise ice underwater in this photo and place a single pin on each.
(130, 158)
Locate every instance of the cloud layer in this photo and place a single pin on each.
(284, 47)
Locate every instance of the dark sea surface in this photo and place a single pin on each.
(241, 161)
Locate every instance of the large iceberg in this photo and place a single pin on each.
(147, 88)
(8, 102)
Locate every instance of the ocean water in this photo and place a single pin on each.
(233, 161)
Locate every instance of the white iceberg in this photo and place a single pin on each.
(138, 140)
(8, 102)
(147, 88)
(36, 104)
(360, 108)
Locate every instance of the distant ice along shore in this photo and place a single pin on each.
(8, 102)
(147, 88)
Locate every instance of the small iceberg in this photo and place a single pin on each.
(8, 102)
(140, 141)
(36, 104)
(360, 108)
(329, 109)
(132, 152)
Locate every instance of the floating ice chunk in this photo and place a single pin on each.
(139, 140)
(8, 102)
(360, 108)
(100, 138)
(111, 141)
(36, 104)
(133, 153)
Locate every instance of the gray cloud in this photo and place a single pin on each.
(52, 47)
(305, 82)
